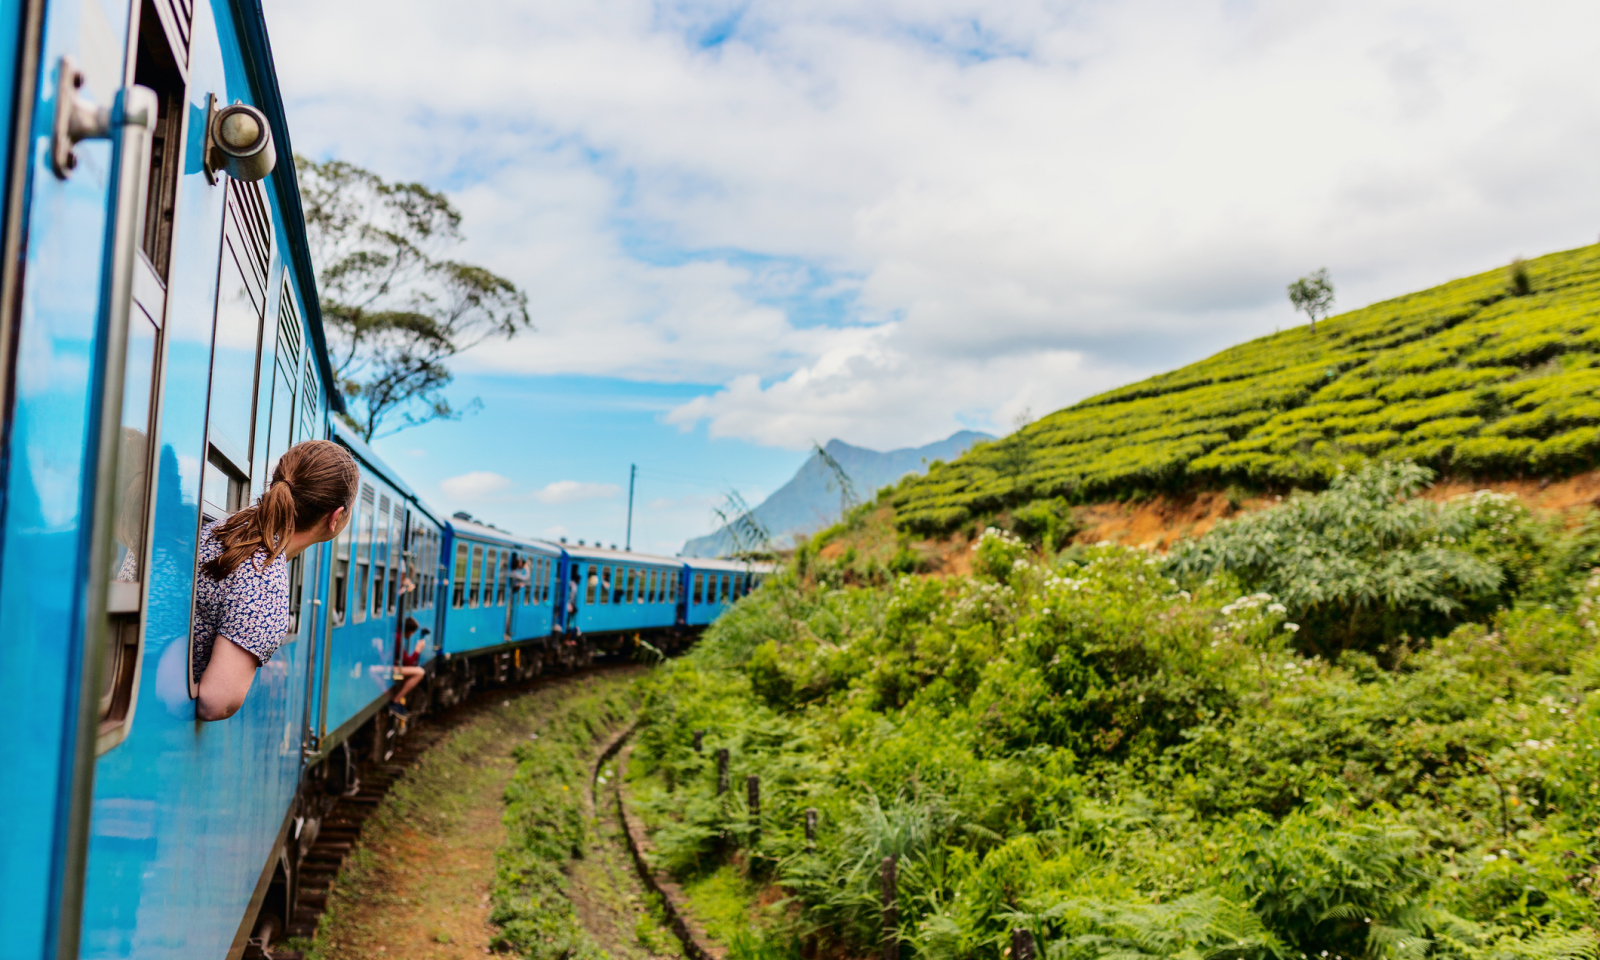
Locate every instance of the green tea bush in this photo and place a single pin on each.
(1461, 378)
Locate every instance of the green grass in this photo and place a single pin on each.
(545, 824)
(1466, 378)
(721, 901)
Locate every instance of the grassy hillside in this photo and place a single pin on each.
(1472, 378)
(1362, 724)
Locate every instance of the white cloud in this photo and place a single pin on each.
(572, 491)
(993, 205)
(477, 485)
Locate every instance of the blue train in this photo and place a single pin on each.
(160, 347)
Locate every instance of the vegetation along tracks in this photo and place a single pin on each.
(429, 856)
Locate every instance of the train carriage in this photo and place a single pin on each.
(163, 348)
(383, 568)
(710, 586)
(160, 347)
(616, 591)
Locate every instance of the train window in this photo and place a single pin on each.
(364, 556)
(341, 574)
(672, 587)
(309, 398)
(397, 530)
(475, 576)
(236, 340)
(296, 582)
(501, 579)
(161, 61)
(380, 554)
(283, 415)
(491, 570)
(594, 581)
(655, 585)
(724, 588)
(541, 590)
(605, 584)
(619, 585)
(699, 586)
(459, 591)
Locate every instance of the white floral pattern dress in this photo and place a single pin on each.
(250, 606)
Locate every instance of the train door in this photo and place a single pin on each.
(77, 138)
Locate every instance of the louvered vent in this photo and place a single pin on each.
(177, 16)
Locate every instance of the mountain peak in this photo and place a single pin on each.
(810, 500)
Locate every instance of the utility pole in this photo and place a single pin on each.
(633, 471)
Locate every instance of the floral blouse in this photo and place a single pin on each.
(250, 606)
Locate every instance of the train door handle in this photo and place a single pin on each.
(76, 119)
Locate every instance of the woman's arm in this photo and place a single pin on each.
(226, 681)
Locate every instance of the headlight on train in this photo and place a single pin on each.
(239, 141)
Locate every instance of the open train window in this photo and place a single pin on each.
(364, 555)
(491, 575)
(699, 587)
(475, 577)
(341, 574)
(380, 554)
(459, 581)
(725, 582)
(393, 559)
(160, 63)
(501, 580)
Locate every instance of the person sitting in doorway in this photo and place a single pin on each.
(410, 668)
(241, 604)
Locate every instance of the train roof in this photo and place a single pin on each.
(607, 555)
(367, 455)
(735, 566)
(259, 67)
(484, 531)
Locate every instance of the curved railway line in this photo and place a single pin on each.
(342, 825)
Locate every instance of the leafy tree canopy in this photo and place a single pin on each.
(397, 308)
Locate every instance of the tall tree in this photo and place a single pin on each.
(396, 306)
(1312, 295)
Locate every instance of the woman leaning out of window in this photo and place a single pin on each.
(241, 609)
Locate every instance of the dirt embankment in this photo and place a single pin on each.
(1159, 522)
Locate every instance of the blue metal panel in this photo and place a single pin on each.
(614, 611)
(186, 813)
(43, 539)
(361, 652)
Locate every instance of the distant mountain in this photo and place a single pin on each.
(810, 501)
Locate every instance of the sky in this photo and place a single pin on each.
(747, 227)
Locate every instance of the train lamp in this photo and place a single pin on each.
(238, 142)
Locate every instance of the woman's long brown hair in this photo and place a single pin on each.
(312, 479)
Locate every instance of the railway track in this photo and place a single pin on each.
(341, 828)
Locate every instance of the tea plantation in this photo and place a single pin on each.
(1489, 376)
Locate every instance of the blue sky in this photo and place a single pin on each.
(537, 433)
(747, 226)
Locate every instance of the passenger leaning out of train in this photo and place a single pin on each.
(241, 609)
(410, 668)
